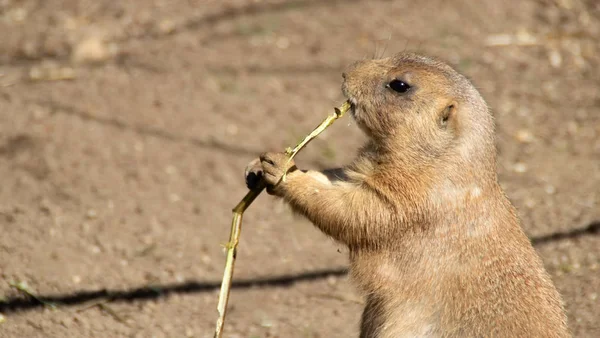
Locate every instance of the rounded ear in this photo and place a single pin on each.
(447, 114)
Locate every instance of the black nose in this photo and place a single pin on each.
(344, 76)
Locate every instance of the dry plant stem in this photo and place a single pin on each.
(238, 212)
(25, 289)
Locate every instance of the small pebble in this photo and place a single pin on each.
(232, 129)
(174, 198)
(266, 323)
(148, 240)
(282, 43)
(51, 73)
(91, 214)
(499, 40)
(17, 14)
(167, 26)
(40, 113)
(81, 321)
(331, 280)
(138, 146)
(550, 189)
(76, 279)
(555, 58)
(92, 50)
(85, 227)
(66, 322)
(524, 136)
(520, 167)
(2, 318)
(530, 203)
(23, 285)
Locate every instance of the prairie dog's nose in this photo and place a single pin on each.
(352, 68)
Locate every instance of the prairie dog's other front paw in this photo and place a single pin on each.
(253, 173)
(274, 165)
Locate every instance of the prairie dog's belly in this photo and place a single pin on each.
(400, 301)
(408, 320)
(411, 323)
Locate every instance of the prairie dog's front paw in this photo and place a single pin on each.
(253, 173)
(274, 165)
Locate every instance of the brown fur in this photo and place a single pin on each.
(434, 242)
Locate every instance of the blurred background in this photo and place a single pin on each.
(125, 127)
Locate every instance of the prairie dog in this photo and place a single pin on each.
(435, 245)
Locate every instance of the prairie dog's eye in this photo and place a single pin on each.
(398, 86)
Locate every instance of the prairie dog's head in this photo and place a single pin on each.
(418, 102)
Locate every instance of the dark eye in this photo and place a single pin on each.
(398, 86)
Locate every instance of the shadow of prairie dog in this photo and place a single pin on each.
(434, 243)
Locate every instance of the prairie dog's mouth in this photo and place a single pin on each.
(353, 107)
(353, 104)
(352, 99)
(355, 111)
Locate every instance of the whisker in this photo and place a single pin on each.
(375, 51)
(386, 45)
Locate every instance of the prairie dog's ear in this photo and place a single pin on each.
(447, 115)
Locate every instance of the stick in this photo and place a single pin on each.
(22, 286)
(238, 211)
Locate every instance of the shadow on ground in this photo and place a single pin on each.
(18, 304)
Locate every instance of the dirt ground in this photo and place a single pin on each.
(125, 127)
